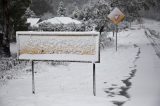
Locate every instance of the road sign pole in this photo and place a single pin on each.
(116, 16)
(116, 37)
(94, 80)
(33, 83)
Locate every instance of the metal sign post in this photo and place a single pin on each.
(94, 80)
(116, 16)
(116, 37)
(33, 83)
(47, 46)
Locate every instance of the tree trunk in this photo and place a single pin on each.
(6, 27)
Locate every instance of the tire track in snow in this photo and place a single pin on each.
(127, 82)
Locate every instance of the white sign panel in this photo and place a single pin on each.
(116, 16)
(58, 46)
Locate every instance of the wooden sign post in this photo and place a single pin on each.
(116, 16)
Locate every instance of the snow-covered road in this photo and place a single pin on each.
(128, 77)
(145, 90)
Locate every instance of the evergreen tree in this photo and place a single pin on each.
(76, 12)
(29, 13)
(96, 12)
(61, 9)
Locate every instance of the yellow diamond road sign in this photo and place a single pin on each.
(116, 16)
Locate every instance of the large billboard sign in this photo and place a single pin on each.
(58, 46)
(116, 16)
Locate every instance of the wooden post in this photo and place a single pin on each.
(33, 83)
(94, 80)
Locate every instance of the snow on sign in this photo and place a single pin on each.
(116, 16)
(58, 46)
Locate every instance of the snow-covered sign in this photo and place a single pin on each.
(116, 16)
(58, 46)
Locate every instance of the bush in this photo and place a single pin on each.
(61, 27)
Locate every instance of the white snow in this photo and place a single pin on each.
(58, 33)
(60, 57)
(71, 85)
(33, 21)
(61, 20)
(152, 24)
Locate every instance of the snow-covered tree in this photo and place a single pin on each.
(132, 8)
(96, 11)
(61, 9)
(29, 13)
(76, 13)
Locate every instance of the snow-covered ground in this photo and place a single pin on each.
(129, 76)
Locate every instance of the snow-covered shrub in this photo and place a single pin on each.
(95, 11)
(90, 25)
(46, 26)
(105, 40)
(8, 65)
(61, 27)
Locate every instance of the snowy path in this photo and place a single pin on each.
(145, 90)
(129, 76)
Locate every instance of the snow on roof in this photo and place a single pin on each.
(33, 21)
(61, 20)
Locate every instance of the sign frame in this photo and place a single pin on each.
(48, 33)
(92, 33)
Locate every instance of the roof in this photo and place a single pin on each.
(61, 20)
(33, 21)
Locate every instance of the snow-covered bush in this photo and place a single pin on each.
(46, 26)
(8, 65)
(105, 40)
(61, 27)
(94, 12)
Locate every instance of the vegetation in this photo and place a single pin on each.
(12, 19)
(61, 10)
